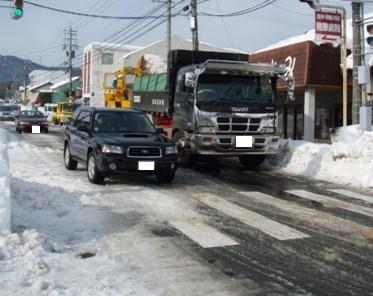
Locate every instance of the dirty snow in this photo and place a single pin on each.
(72, 238)
(347, 161)
(4, 184)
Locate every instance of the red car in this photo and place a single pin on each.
(28, 118)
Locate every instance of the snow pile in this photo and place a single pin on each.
(4, 184)
(348, 160)
(154, 64)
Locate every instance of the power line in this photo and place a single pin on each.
(139, 35)
(90, 15)
(251, 9)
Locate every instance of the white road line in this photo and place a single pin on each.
(202, 234)
(352, 194)
(313, 217)
(268, 226)
(332, 202)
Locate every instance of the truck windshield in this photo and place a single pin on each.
(128, 122)
(234, 89)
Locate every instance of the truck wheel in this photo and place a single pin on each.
(70, 163)
(165, 176)
(184, 158)
(251, 162)
(94, 176)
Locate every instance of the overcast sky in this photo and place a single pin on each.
(39, 36)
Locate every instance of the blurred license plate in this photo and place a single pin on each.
(35, 129)
(244, 141)
(146, 166)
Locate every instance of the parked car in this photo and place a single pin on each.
(111, 141)
(63, 113)
(49, 109)
(8, 112)
(28, 118)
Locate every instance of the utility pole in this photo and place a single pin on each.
(169, 3)
(70, 46)
(194, 24)
(26, 69)
(357, 54)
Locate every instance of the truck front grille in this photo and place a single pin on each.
(238, 124)
(144, 152)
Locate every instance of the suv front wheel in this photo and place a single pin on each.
(165, 176)
(70, 163)
(94, 176)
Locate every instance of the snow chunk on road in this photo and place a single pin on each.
(4, 184)
(347, 161)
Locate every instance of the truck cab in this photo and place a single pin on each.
(227, 109)
(215, 104)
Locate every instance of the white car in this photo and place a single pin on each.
(49, 109)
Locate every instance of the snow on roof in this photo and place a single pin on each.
(111, 46)
(176, 39)
(59, 84)
(310, 36)
(33, 87)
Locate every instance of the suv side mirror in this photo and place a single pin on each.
(190, 78)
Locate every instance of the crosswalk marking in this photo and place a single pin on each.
(352, 194)
(332, 202)
(268, 226)
(202, 234)
(312, 216)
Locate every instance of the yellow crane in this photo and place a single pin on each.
(118, 86)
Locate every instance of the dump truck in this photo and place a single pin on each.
(214, 104)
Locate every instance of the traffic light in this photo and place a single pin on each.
(311, 3)
(370, 35)
(17, 9)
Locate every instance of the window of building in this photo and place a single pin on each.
(107, 58)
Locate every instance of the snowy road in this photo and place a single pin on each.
(212, 232)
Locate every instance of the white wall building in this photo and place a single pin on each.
(40, 76)
(159, 48)
(100, 58)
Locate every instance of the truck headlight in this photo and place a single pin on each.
(111, 149)
(207, 129)
(171, 150)
(267, 129)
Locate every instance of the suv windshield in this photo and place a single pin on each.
(234, 89)
(31, 114)
(70, 107)
(130, 122)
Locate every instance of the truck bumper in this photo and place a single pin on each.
(225, 145)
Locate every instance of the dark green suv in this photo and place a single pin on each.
(111, 141)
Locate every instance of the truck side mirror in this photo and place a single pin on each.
(190, 79)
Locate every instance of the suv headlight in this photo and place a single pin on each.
(171, 150)
(111, 149)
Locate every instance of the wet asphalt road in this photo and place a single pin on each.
(335, 256)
